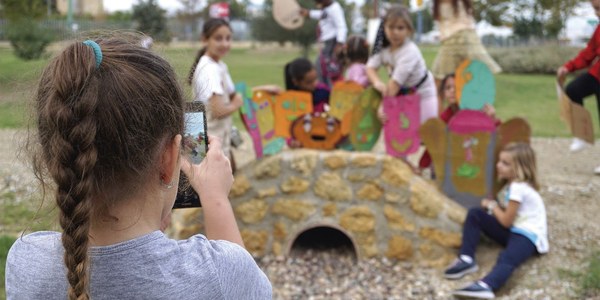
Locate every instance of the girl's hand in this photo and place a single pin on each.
(561, 73)
(304, 12)
(489, 110)
(269, 88)
(212, 178)
(381, 115)
(237, 101)
(381, 87)
(484, 203)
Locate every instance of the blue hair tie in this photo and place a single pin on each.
(97, 51)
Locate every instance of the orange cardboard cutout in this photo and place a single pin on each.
(317, 131)
(344, 95)
(288, 106)
(433, 135)
(577, 118)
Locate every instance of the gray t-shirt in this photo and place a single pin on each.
(149, 267)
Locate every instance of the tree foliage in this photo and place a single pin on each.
(27, 38)
(14, 10)
(542, 18)
(152, 20)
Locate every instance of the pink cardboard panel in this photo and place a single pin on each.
(401, 131)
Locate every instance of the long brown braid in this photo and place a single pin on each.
(102, 131)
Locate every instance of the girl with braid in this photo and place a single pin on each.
(109, 121)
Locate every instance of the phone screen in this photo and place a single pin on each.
(195, 146)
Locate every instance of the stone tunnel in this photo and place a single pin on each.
(370, 201)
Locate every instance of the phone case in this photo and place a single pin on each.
(195, 146)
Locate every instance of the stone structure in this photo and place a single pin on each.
(374, 199)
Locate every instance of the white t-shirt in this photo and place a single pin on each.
(211, 77)
(531, 215)
(406, 66)
(332, 23)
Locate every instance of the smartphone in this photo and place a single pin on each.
(194, 146)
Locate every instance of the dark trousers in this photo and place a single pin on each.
(582, 86)
(517, 249)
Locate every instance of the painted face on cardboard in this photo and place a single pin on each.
(317, 132)
(505, 167)
(218, 43)
(307, 83)
(396, 31)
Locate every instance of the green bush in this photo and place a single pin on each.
(5, 243)
(28, 39)
(590, 283)
(533, 60)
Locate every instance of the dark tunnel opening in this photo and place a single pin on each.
(323, 239)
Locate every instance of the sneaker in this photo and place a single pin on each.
(460, 268)
(577, 145)
(597, 170)
(477, 290)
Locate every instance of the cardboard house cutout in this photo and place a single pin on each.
(464, 152)
(365, 125)
(475, 85)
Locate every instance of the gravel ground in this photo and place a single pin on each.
(569, 189)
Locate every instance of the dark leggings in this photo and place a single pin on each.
(517, 249)
(583, 86)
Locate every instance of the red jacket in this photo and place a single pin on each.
(588, 56)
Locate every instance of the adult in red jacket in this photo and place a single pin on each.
(587, 83)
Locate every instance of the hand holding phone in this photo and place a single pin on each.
(195, 147)
(212, 178)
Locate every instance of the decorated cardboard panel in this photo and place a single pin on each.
(261, 112)
(433, 134)
(577, 118)
(249, 118)
(475, 85)
(465, 152)
(401, 131)
(471, 151)
(287, 14)
(365, 125)
(344, 95)
(317, 131)
(287, 107)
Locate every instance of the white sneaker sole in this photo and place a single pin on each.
(578, 146)
(476, 295)
(460, 275)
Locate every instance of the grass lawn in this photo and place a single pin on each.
(529, 96)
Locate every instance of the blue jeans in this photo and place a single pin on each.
(517, 249)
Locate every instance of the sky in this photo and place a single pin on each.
(170, 5)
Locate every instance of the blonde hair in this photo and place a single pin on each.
(524, 163)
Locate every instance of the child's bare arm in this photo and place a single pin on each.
(505, 216)
(221, 109)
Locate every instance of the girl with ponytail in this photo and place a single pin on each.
(212, 83)
(109, 118)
